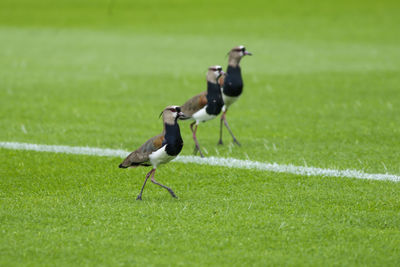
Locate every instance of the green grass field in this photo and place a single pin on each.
(322, 90)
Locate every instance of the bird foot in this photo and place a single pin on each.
(172, 193)
(139, 198)
(236, 142)
(220, 142)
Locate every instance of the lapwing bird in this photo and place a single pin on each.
(232, 86)
(160, 149)
(206, 105)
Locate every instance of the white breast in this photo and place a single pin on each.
(160, 157)
(228, 100)
(202, 115)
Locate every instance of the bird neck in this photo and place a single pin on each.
(171, 128)
(214, 98)
(213, 87)
(234, 61)
(173, 139)
(169, 119)
(233, 83)
(172, 122)
(234, 70)
(211, 77)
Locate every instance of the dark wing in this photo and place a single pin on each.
(194, 104)
(140, 157)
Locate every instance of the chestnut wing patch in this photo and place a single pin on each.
(202, 101)
(158, 141)
(221, 80)
(194, 104)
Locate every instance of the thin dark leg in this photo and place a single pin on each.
(195, 138)
(220, 128)
(229, 129)
(139, 197)
(195, 147)
(163, 186)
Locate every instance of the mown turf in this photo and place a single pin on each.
(321, 90)
(55, 216)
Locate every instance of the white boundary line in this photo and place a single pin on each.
(213, 161)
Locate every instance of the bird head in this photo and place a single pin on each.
(237, 53)
(214, 72)
(172, 113)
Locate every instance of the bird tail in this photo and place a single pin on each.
(128, 162)
(122, 166)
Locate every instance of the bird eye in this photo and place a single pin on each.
(178, 109)
(172, 109)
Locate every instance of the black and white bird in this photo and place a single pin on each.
(232, 86)
(206, 105)
(160, 149)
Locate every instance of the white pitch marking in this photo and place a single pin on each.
(212, 161)
(65, 149)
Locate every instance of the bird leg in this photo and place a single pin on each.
(163, 186)
(220, 128)
(197, 148)
(223, 117)
(139, 197)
